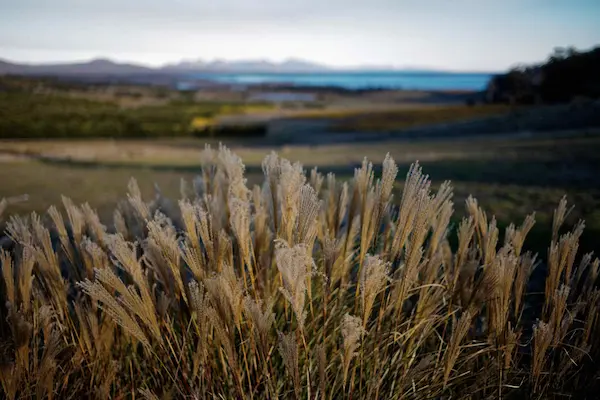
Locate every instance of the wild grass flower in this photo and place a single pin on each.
(352, 332)
(374, 276)
(294, 265)
(378, 300)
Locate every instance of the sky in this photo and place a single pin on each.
(465, 35)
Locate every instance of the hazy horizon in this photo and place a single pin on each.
(466, 35)
(334, 68)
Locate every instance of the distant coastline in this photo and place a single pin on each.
(290, 72)
(347, 80)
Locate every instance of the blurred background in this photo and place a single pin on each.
(502, 98)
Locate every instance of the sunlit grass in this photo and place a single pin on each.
(290, 284)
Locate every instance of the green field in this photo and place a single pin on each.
(41, 110)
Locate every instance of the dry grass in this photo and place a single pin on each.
(303, 287)
(409, 118)
(510, 177)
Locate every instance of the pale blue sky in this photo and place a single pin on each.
(450, 34)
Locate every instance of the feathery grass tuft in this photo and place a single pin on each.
(302, 287)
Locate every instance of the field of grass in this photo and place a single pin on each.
(510, 177)
(311, 287)
(30, 109)
(413, 117)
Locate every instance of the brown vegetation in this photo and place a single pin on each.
(303, 287)
(410, 118)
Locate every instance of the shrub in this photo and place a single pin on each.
(304, 287)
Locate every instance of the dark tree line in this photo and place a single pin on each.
(567, 75)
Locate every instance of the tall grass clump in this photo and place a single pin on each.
(304, 287)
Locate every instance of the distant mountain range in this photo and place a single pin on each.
(290, 65)
(99, 66)
(103, 66)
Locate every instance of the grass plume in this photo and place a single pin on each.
(302, 287)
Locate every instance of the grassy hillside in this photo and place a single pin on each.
(31, 109)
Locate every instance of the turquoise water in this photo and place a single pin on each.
(360, 80)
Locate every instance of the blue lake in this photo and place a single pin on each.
(360, 80)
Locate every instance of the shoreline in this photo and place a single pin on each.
(188, 82)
